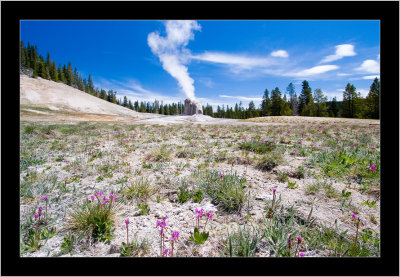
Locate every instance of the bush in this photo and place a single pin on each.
(93, 219)
(271, 160)
(242, 243)
(226, 191)
(140, 189)
(257, 146)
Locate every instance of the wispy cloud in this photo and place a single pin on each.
(313, 71)
(133, 90)
(371, 77)
(238, 62)
(280, 53)
(342, 50)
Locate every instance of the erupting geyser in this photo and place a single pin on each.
(193, 106)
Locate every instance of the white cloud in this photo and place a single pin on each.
(343, 74)
(242, 98)
(363, 92)
(172, 52)
(342, 50)
(241, 61)
(369, 66)
(134, 91)
(280, 53)
(316, 70)
(371, 77)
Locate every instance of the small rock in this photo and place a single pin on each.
(264, 197)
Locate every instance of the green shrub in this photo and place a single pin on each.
(198, 196)
(93, 220)
(226, 192)
(242, 243)
(269, 161)
(136, 247)
(257, 146)
(140, 190)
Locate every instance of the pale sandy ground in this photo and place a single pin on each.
(47, 101)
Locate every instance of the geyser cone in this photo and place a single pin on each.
(193, 106)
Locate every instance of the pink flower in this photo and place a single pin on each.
(36, 216)
(92, 197)
(299, 239)
(127, 221)
(44, 198)
(301, 254)
(294, 150)
(209, 214)
(175, 236)
(273, 190)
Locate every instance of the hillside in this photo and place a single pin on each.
(40, 98)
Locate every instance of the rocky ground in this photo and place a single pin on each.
(71, 162)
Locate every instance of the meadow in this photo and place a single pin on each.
(192, 190)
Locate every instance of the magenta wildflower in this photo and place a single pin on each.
(299, 239)
(43, 198)
(92, 197)
(301, 254)
(127, 222)
(36, 216)
(209, 214)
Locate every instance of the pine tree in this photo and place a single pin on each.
(266, 104)
(292, 99)
(55, 77)
(349, 101)
(251, 110)
(69, 75)
(125, 103)
(334, 108)
(90, 85)
(372, 100)
(305, 97)
(276, 102)
(320, 103)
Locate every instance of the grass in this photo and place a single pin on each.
(257, 146)
(93, 220)
(242, 243)
(140, 190)
(269, 161)
(228, 193)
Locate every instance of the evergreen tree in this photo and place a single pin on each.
(90, 85)
(69, 76)
(55, 77)
(251, 110)
(305, 97)
(372, 100)
(22, 55)
(103, 94)
(276, 102)
(320, 103)
(266, 104)
(334, 108)
(292, 99)
(349, 101)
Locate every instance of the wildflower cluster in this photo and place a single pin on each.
(174, 237)
(372, 167)
(200, 237)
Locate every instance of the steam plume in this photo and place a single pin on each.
(172, 52)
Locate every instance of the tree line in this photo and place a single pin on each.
(353, 105)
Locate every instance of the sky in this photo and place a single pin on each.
(219, 62)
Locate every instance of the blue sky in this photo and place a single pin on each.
(217, 62)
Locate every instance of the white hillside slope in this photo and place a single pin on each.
(60, 97)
